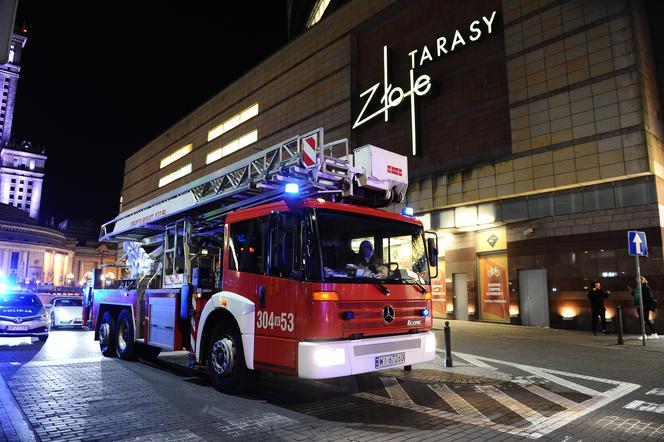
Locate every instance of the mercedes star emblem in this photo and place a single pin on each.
(388, 314)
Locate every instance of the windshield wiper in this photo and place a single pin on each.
(382, 288)
(416, 282)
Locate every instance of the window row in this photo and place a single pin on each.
(186, 170)
(235, 145)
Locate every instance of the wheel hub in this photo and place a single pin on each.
(223, 356)
(104, 332)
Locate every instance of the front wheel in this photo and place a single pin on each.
(107, 335)
(125, 346)
(227, 369)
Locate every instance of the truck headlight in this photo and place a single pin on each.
(430, 343)
(327, 357)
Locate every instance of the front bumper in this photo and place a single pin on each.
(321, 360)
(61, 322)
(27, 328)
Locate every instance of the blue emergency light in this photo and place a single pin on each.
(292, 189)
(408, 211)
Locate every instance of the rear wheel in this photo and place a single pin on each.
(107, 335)
(227, 370)
(125, 346)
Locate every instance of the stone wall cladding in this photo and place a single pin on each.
(578, 103)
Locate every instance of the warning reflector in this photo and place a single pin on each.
(309, 147)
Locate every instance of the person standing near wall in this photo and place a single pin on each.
(597, 297)
(649, 304)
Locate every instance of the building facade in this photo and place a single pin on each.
(21, 164)
(533, 131)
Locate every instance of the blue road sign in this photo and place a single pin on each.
(636, 243)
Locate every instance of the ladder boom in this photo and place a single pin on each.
(320, 170)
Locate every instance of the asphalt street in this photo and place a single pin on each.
(507, 383)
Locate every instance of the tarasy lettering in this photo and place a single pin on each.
(393, 96)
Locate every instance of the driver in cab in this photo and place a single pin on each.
(364, 262)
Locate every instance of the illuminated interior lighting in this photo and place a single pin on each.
(175, 175)
(317, 12)
(233, 146)
(233, 122)
(181, 152)
(568, 313)
(514, 311)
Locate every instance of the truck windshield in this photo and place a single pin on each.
(357, 247)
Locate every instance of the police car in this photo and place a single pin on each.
(22, 314)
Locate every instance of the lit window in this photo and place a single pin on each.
(175, 156)
(233, 146)
(175, 175)
(233, 121)
(32, 165)
(317, 12)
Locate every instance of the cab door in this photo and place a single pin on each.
(278, 290)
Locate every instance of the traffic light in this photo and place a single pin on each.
(7, 18)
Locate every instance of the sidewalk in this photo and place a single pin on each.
(573, 337)
(13, 424)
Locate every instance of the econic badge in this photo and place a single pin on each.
(637, 243)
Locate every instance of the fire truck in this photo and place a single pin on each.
(281, 262)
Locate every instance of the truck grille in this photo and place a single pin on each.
(369, 315)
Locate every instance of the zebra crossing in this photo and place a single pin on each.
(531, 402)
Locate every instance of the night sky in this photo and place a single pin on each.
(101, 79)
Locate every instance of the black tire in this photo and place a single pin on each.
(149, 353)
(107, 335)
(53, 326)
(125, 346)
(43, 338)
(227, 369)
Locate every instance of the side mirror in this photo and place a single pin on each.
(48, 306)
(432, 248)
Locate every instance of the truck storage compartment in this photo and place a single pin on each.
(162, 313)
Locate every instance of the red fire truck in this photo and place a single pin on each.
(279, 263)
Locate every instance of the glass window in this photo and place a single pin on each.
(598, 197)
(14, 261)
(181, 152)
(246, 246)
(568, 201)
(540, 205)
(514, 210)
(233, 122)
(233, 146)
(387, 250)
(635, 192)
(67, 302)
(175, 175)
(285, 258)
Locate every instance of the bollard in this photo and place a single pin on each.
(448, 345)
(620, 326)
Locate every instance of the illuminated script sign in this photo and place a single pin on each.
(392, 96)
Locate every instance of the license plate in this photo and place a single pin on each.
(17, 328)
(390, 360)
